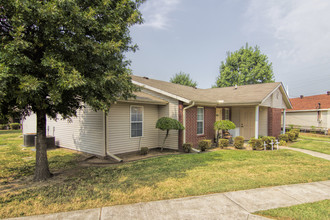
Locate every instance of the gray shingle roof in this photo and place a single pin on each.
(246, 94)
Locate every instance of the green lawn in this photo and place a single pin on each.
(316, 211)
(318, 146)
(311, 136)
(146, 180)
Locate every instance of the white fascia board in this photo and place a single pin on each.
(162, 92)
(309, 110)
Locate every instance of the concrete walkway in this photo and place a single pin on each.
(313, 153)
(230, 205)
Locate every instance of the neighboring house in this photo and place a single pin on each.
(310, 111)
(130, 124)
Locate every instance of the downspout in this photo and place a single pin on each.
(106, 141)
(184, 120)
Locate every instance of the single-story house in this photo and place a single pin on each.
(130, 124)
(310, 111)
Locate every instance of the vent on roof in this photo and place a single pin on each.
(328, 92)
(145, 77)
(236, 86)
(301, 96)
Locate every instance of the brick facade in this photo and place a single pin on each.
(274, 122)
(191, 125)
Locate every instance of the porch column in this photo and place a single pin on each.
(256, 125)
(284, 115)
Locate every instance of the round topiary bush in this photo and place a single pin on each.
(187, 147)
(239, 142)
(223, 143)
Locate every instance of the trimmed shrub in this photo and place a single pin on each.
(268, 140)
(256, 144)
(3, 126)
(203, 145)
(292, 136)
(15, 126)
(187, 147)
(223, 143)
(144, 150)
(283, 137)
(282, 143)
(209, 143)
(239, 142)
(296, 132)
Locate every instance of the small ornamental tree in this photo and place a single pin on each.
(223, 125)
(167, 124)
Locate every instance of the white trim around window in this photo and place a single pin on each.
(200, 120)
(136, 118)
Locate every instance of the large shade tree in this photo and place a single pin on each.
(58, 55)
(245, 66)
(183, 79)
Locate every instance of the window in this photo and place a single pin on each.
(226, 113)
(200, 120)
(136, 121)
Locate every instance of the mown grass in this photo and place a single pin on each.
(311, 136)
(164, 178)
(318, 146)
(316, 211)
(17, 161)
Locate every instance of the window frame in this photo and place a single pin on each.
(130, 120)
(227, 110)
(203, 121)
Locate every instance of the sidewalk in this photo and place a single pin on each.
(229, 205)
(313, 153)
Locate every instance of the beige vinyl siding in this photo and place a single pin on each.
(118, 129)
(306, 119)
(263, 121)
(82, 133)
(275, 100)
(30, 124)
(170, 110)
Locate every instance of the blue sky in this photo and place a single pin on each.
(193, 36)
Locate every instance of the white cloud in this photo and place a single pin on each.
(156, 13)
(300, 28)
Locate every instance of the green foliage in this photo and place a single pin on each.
(183, 79)
(223, 143)
(268, 140)
(3, 126)
(282, 143)
(57, 55)
(296, 132)
(256, 144)
(144, 150)
(239, 142)
(291, 135)
(15, 126)
(166, 123)
(224, 125)
(245, 66)
(283, 137)
(203, 145)
(187, 147)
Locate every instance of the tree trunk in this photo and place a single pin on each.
(42, 170)
(164, 140)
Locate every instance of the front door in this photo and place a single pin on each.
(247, 122)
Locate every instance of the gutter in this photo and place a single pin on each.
(184, 120)
(106, 142)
